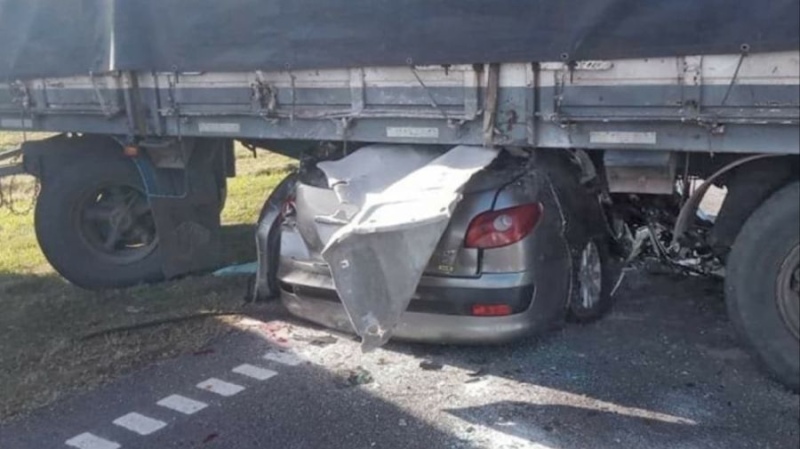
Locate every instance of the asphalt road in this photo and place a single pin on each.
(664, 370)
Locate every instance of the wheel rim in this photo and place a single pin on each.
(117, 225)
(788, 288)
(590, 276)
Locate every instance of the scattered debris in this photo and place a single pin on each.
(247, 269)
(359, 376)
(250, 322)
(480, 372)
(621, 277)
(320, 341)
(277, 332)
(206, 351)
(645, 235)
(430, 365)
(210, 437)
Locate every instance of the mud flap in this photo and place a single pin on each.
(377, 259)
(186, 205)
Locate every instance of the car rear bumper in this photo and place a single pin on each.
(309, 296)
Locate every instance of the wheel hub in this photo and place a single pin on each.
(590, 276)
(788, 289)
(117, 224)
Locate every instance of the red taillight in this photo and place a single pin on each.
(498, 228)
(491, 309)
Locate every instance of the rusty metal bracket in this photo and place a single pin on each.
(134, 111)
(20, 93)
(692, 86)
(264, 97)
(490, 103)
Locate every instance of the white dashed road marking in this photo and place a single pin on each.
(140, 424)
(144, 425)
(91, 441)
(254, 371)
(182, 404)
(286, 358)
(220, 387)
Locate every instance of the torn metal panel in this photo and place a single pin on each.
(372, 169)
(378, 258)
(268, 239)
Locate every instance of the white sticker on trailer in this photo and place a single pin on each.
(18, 123)
(623, 137)
(218, 128)
(412, 132)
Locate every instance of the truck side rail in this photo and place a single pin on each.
(718, 103)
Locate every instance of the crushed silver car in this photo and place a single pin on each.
(503, 257)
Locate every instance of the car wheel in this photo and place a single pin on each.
(592, 281)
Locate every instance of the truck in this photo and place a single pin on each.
(416, 124)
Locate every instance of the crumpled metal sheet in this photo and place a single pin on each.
(372, 169)
(268, 239)
(377, 259)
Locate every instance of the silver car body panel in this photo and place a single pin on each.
(405, 200)
(419, 327)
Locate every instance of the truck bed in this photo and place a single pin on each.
(714, 103)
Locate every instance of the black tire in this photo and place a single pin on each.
(767, 241)
(61, 226)
(581, 309)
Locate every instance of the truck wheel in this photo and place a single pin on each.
(592, 281)
(95, 226)
(763, 281)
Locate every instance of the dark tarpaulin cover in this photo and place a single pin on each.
(71, 37)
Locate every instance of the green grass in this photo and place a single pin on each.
(9, 140)
(42, 356)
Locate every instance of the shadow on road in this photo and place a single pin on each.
(575, 427)
(664, 368)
